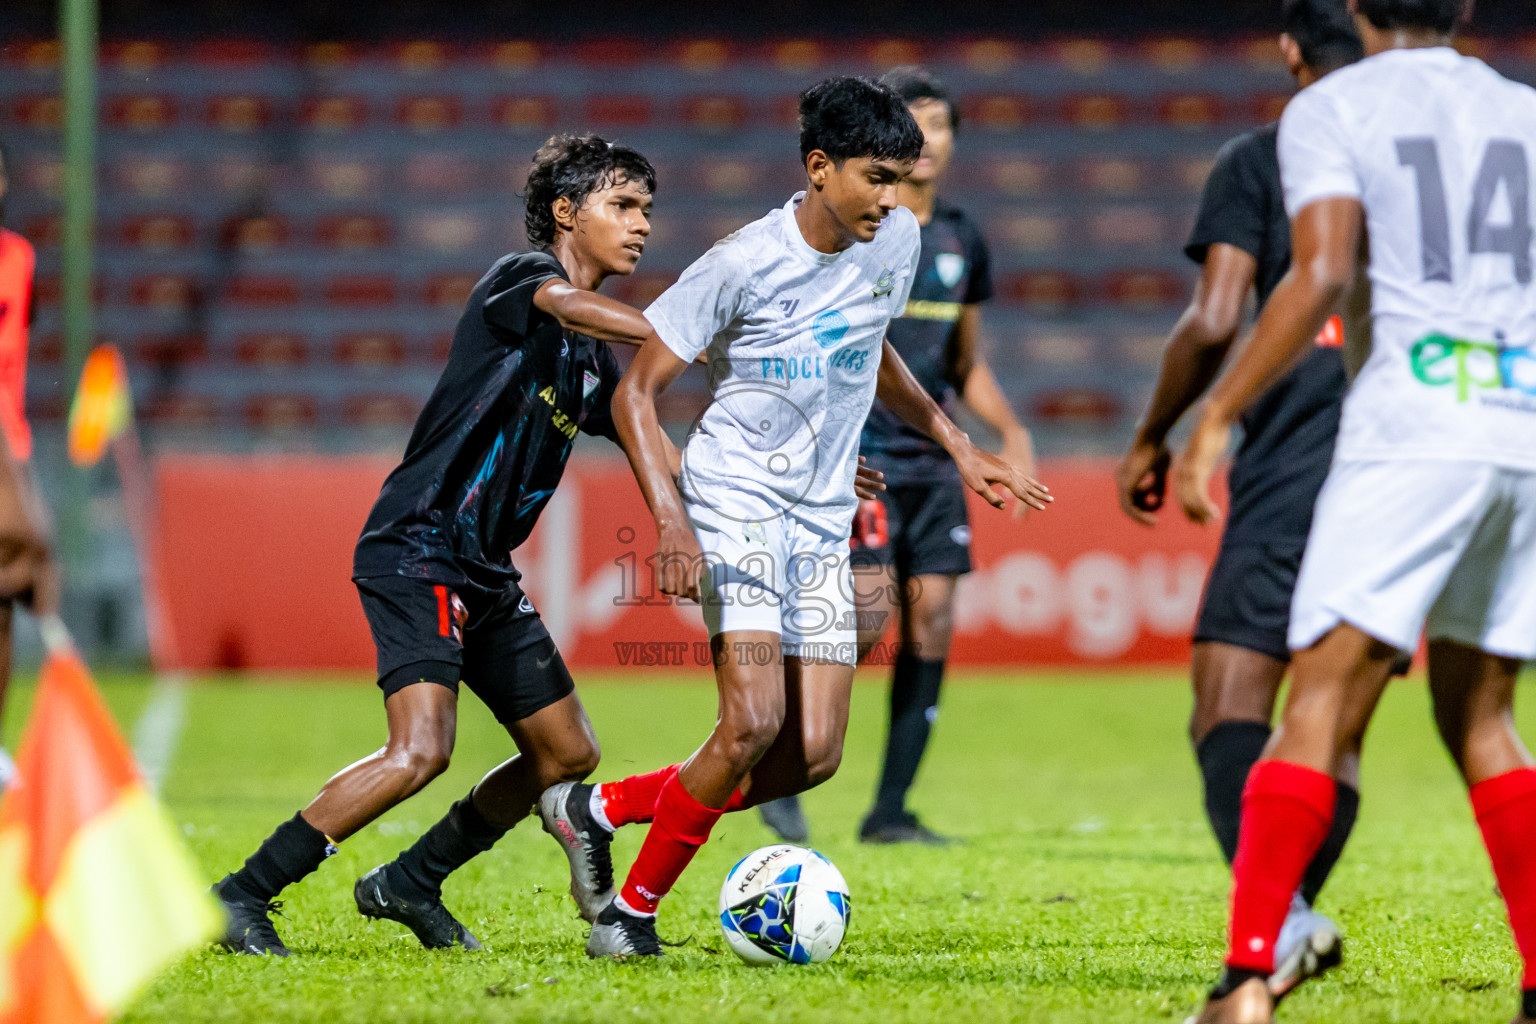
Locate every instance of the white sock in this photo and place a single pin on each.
(595, 808)
(618, 901)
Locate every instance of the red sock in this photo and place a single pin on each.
(633, 800)
(1287, 811)
(1505, 806)
(682, 826)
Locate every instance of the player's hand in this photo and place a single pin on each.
(1019, 453)
(679, 563)
(868, 482)
(1142, 481)
(1192, 474)
(984, 472)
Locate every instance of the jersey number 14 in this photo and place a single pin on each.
(1505, 164)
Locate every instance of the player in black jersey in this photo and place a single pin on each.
(912, 545)
(1242, 241)
(529, 367)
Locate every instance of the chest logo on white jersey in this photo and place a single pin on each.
(950, 267)
(829, 328)
(885, 283)
(787, 307)
(589, 382)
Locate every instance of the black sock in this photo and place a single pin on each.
(463, 833)
(1231, 977)
(1346, 808)
(1226, 755)
(290, 853)
(914, 705)
(1528, 1003)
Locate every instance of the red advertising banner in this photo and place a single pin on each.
(256, 559)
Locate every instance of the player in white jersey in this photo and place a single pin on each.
(792, 312)
(1427, 521)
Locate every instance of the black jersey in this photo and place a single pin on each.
(492, 442)
(1288, 434)
(954, 271)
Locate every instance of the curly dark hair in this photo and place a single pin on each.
(575, 166)
(849, 117)
(913, 83)
(1324, 31)
(1440, 15)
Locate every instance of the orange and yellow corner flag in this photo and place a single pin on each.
(101, 409)
(97, 892)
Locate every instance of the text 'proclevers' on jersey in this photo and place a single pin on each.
(794, 337)
(1439, 148)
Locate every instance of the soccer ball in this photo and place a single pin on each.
(784, 904)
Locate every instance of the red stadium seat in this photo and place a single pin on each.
(515, 56)
(446, 232)
(1192, 172)
(1175, 55)
(256, 234)
(1083, 56)
(1017, 176)
(446, 173)
(1060, 349)
(370, 351)
(361, 290)
(143, 115)
(989, 56)
(1031, 232)
(890, 53)
(641, 289)
(1110, 176)
(997, 112)
(729, 178)
(715, 114)
(429, 115)
(1128, 226)
(450, 291)
(618, 110)
(1099, 112)
(1143, 289)
(1191, 111)
(281, 412)
(608, 53)
(232, 54)
(47, 350)
(239, 115)
(40, 57)
(236, 174)
(38, 113)
(346, 179)
(329, 58)
(1267, 107)
(44, 232)
(334, 115)
(523, 113)
(186, 411)
(156, 233)
(419, 57)
(45, 289)
(797, 56)
(438, 349)
(152, 177)
(271, 351)
(1043, 290)
(701, 56)
(1076, 406)
(267, 291)
(381, 410)
(135, 58)
(164, 291)
(354, 231)
(169, 350)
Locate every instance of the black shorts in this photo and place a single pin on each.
(495, 642)
(925, 531)
(1247, 599)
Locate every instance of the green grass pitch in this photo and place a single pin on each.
(1088, 888)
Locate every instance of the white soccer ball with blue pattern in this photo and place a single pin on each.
(784, 905)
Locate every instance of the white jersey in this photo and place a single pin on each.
(1439, 149)
(794, 338)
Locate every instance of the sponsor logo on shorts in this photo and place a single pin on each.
(1473, 366)
(589, 382)
(829, 328)
(961, 535)
(525, 605)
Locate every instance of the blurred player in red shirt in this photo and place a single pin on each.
(26, 564)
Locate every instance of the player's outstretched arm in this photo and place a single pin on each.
(678, 558)
(972, 378)
(1326, 239)
(1196, 349)
(596, 316)
(981, 471)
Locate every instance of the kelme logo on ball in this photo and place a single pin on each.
(828, 328)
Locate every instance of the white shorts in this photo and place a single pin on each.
(1441, 548)
(779, 575)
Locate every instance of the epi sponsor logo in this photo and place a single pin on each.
(1473, 366)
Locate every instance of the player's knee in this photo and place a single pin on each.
(418, 764)
(573, 764)
(822, 762)
(932, 628)
(748, 735)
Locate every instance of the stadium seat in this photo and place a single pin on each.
(1060, 349)
(44, 114)
(1042, 291)
(381, 410)
(1143, 289)
(1190, 111)
(890, 53)
(331, 57)
(1016, 176)
(728, 178)
(714, 114)
(523, 113)
(1030, 232)
(370, 351)
(346, 179)
(141, 115)
(150, 177)
(1128, 226)
(989, 57)
(1110, 176)
(618, 110)
(262, 291)
(997, 112)
(429, 115)
(610, 52)
(256, 234)
(1083, 57)
(799, 57)
(701, 56)
(43, 232)
(353, 231)
(446, 232)
(333, 115)
(169, 350)
(239, 115)
(1266, 107)
(1082, 406)
(239, 176)
(281, 412)
(165, 291)
(441, 174)
(1095, 113)
(271, 351)
(1175, 56)
(515, 56)
(361, 290)
(189, 411)
(156, 233)
(47, 350)
(134, 58)
(449, 291)
(419, 57)
(438, 348)
(225, 54)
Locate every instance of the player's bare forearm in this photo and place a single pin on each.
(1326, 253)
(596, 316)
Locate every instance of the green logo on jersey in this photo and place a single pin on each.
(1441, 361)
(885, 283)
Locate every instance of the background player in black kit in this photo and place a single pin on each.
(913, 543)
(1242, 240)
(528, 368)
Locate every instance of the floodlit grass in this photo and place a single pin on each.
(1088, 888)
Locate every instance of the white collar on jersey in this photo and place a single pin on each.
(796, 240)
